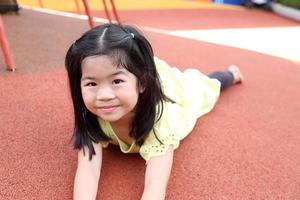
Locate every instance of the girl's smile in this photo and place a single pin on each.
(107, 109)
(109, 91)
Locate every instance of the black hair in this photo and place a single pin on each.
(127, 47)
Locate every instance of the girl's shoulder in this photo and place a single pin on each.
(159, 61)
(162, 66)
(174, 124)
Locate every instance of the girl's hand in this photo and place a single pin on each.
(157, 176)
(87, 174)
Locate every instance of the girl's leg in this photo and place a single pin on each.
(225, 77)
(228, 77)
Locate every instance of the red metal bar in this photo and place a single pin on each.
(5, 48)
(77, 6)
(88, 13)
(41, 4)
(115, 11)
(106, 11)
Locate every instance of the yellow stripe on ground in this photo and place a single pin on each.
(70, 5)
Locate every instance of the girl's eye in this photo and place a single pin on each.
(91, 84)
(117, 81)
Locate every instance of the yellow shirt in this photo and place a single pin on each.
(195, 94)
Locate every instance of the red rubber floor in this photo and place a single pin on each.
(246, 148)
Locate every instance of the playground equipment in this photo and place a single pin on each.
(90, 16)
(9, 6)
(4, 44)
(113, 9)
(5, 48)
(88, 11)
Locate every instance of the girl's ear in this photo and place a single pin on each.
(141, 88)
(142, 85)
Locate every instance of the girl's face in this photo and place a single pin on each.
(110, 92)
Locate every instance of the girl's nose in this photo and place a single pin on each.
(105, 93)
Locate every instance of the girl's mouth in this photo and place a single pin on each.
(107, 109)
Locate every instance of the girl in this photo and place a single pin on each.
(123, 95)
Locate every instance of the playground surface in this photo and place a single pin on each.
(246, 148)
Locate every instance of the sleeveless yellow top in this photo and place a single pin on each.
(195, 94)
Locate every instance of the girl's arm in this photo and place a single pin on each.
(87, 174)
(157, 176)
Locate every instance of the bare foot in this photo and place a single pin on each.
(237, 74)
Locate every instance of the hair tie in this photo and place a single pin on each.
(132, 35)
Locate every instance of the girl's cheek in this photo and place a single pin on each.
(86, 96)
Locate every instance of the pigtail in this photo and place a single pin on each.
(150, 104)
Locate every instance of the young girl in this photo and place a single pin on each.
(125, 96)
